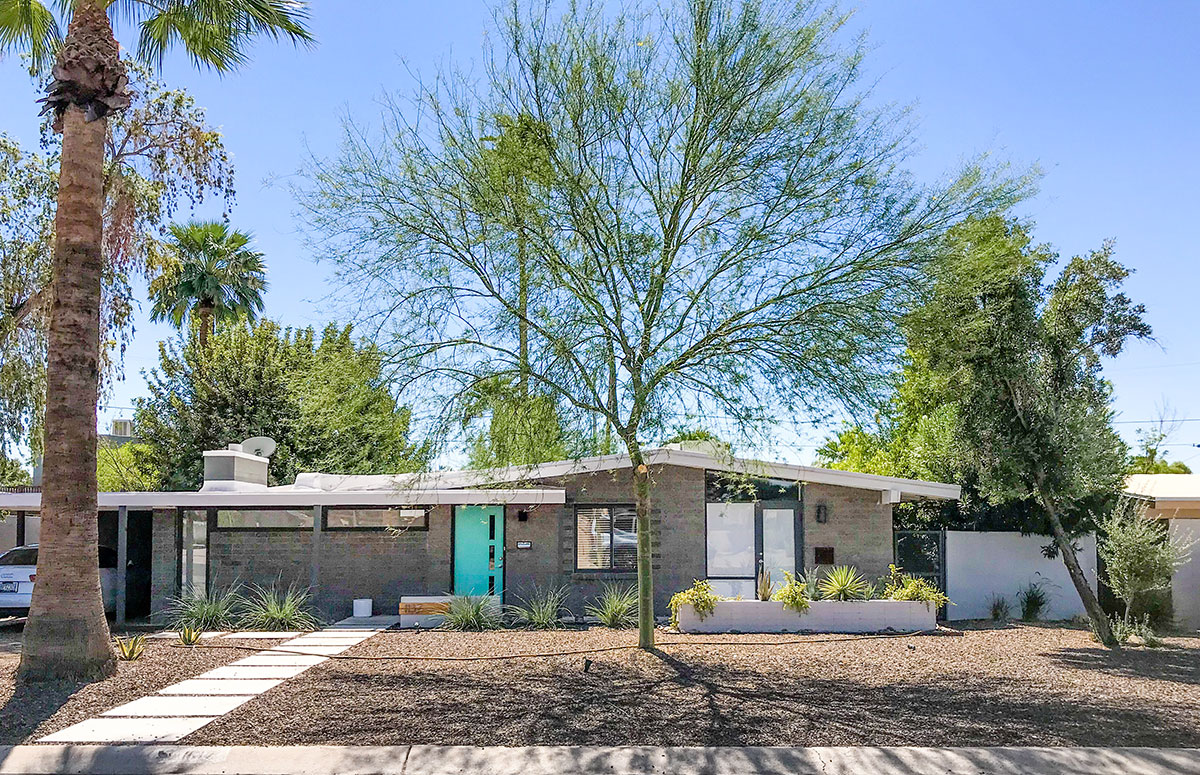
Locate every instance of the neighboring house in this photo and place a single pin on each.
(1175, 498)
(505, 532)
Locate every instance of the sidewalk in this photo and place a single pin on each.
(451, 760)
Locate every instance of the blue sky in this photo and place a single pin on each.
(1104, 96)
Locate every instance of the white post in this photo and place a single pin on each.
(122, 562)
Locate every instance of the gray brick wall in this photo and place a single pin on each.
(384, 567)
(859, 528)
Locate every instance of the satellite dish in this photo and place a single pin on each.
(263, 446)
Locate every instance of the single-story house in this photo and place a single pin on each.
(502, 532)
(1175, 498)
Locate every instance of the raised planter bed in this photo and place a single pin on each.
(822, 616)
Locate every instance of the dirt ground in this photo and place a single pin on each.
(28, 712)
(1012, 685)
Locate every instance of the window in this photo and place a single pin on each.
(728, 487)
(823, 555)
(19, 556)
(605, 538)
(376, 518)
(264, 519)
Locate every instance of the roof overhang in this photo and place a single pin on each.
(303, 498)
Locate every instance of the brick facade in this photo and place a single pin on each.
(382, 566)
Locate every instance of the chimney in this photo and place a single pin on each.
(232, 470)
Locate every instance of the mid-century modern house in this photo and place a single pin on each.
(500, 532)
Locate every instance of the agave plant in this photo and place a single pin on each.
(130, 649)
(189, 636)
(844, 583)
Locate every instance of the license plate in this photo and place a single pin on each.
(8, 586)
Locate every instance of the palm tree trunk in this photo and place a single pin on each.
(67, 635)
(1090, 603)
(205, 313)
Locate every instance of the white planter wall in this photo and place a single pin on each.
(822, 616)
(980, 565)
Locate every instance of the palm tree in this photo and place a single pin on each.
(67, 635)
(218, 278)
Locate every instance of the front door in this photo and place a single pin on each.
(479, 550)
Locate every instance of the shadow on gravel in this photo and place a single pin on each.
(30, 705)
(666, 699)
(1166, 664)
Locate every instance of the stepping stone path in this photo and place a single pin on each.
(180, 709)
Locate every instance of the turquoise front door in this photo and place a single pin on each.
(479, 550)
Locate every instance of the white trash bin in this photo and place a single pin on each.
(362, 608)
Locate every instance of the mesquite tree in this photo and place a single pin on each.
(723, 225)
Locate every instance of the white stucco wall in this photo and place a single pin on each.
(980, 565)
(8, 531)
(1185, 587)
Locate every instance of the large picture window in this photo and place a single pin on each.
(605, 538)
(264, 519)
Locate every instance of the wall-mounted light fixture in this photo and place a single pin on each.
(822, 513)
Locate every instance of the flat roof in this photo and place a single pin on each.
(288, 497)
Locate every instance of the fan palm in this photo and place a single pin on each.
(217, 278)
(67, 635)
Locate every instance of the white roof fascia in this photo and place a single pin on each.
(302, 498)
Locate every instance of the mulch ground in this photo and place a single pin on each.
(28, 712)
(1017, 685)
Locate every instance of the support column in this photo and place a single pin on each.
(314, 575)
(122, 563)
(20, 529)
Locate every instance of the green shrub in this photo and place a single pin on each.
(617, 607)
(1000, 607)
(130, 649)
(472, 613)
(901, 586)
(217, 610)
(542, 610)
(844, 583)
(793, 594)
(268, 609)
(1033, 601)
(1124, 630)
(700, 597)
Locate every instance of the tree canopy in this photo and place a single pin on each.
(725, 226)
(161, 155)
(325, 400)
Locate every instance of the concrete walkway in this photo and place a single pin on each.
(178, 710)
(451, 760)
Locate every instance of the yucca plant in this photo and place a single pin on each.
(217, 610)
(189, 636)
(1001, 609)
(616, 607)
(542, 610)
(764, 586)
(268, 609)
(472, 613)
(844, 583)
(130, 649)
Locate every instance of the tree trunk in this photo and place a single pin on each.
(1090, 603)
(67, 635)
(205, 313)
(645, 548)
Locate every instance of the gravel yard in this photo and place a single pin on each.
(30, 712)
(1018, 685)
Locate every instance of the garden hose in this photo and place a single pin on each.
(574, 652)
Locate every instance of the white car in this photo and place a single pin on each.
(18, 572)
